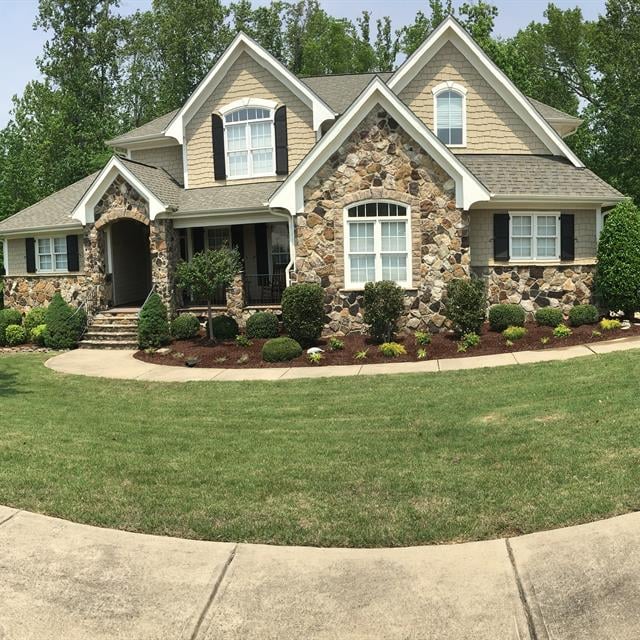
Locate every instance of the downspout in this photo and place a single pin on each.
(292, 245)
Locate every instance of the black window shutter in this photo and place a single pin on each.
(262, 248)
(501, 237)
(73, 255)
(567, 236)
(237, 238)
(30, 245)
(282, 144)
(197, 236)
(217, 140)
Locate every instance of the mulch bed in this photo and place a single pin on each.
(227, 354)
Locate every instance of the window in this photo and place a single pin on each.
(377, 244)
(218, 237)
(449, 113)
(249, 135)
(535, 236)
(51, 254)
(280, 257)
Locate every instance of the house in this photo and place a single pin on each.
(440, 170)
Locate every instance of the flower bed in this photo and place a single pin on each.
(231, 355)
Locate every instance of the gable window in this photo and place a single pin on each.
(249, 138)
(535, 236)
(450, 114)
(51, 254)
(377, 241)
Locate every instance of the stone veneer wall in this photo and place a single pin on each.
(26, 292)
(534, 287)
(380, 161)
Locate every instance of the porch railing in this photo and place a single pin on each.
(263, 288)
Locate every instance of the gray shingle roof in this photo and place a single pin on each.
(524, 175)
(227, 198)
(551, 113)
(151, 128)
(158, 181)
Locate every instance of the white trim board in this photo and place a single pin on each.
(289, 196)
(450, 30)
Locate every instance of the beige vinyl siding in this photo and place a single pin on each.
(245, 79)
(17, 255)
(167, 158)
(492, 126)
(481, 236)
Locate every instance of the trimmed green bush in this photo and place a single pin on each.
(549, 316)
(185, 326)
(36, 335)
(514, 333)
(392, 350)
(281, 350)
(502, 316)
(383, 304)
(466, 305)
(262, 325)
(303, 312)
(64, 324)
(583, 314)
(15, 334)
(153, 323)
(562, 331)
(224, 328)
(34, 318)
(7, 317)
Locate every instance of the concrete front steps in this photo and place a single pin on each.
(112, 329)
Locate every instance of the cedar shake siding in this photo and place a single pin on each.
(492, 126)
(246, 78)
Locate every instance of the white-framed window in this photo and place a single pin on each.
(218, 237)
(534, 236)
(51, 254)
(250, 142)
(450, 114)
(377, 243)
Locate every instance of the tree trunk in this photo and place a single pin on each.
(209, 323)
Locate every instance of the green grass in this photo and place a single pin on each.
(370, 461)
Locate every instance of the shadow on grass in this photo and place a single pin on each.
(8, 383)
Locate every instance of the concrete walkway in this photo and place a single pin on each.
(65, 580)
(121, 364)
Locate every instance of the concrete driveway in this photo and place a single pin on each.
(71, 581)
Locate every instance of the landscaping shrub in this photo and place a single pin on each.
(562, 331)
(8, 317)
(422, 338)
(514, 333)
(468, 341)
(303, 312)
(224, 328)
(466, 305)
(335, 344)
(583, 314)
(502, 316)
(36, 335)
(15, 334)
(617, 280)
(392, 349)
(610, 324)
(549, 316)
(280, 350)
(153, 324)
(34, 318)
(185, 326)
(262, 325)
(383, 304)
(65, 324)
(243, 341)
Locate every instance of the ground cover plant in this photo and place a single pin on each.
(286, 463)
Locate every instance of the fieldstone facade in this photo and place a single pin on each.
(380, 161)
(26, 292)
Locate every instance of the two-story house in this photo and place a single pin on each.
(437, 171)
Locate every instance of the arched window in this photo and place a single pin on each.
(450, 114)
(377, 243)
(249, 142)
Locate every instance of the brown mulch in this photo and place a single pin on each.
(227, 354)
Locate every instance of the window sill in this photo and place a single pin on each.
(357, 289)
(537, 263)
(45, 274)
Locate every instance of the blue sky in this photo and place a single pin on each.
(20, 44)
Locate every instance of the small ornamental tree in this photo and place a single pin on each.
(207, 273)
(153, 324)
(383, 304)
(466, 305)
(618, 270)
(64, 324)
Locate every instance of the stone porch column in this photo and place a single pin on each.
(164, 258)
(235, 299)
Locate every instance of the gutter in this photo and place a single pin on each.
(26, 231)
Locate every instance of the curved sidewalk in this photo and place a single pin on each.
(121, 364)
(72, 581)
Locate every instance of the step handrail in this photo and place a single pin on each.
(153, 288)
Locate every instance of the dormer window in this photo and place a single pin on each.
(449, 114)
(249, 142)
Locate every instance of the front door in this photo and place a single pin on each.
(131, 262)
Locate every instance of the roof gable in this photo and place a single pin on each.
(290, 196)
(450, 30)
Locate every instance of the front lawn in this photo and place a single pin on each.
(368, 461)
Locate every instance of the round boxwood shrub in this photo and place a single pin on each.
(383, 304)
(15, 334)
(549, 316)
(303, 312)
(64, 324)
(36, 335)
(34, 318)
(583, 314)
(466, 305)
(185, 326)
(262, 325)
(502, 316)
(281, 350)
(7, 317)
(224, 327)
(153, 323)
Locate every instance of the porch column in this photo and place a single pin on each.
(164, 258)
(235, 299)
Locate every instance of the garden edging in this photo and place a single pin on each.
(121, 364)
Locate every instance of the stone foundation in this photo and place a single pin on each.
(534, 287)
(26, 292)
